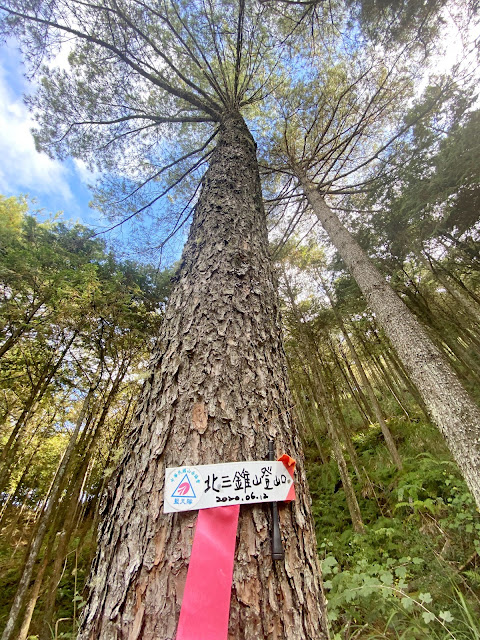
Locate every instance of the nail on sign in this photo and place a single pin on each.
(215, 485)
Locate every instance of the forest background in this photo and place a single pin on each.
(397, 528)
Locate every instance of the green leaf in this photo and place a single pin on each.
(327, 565)
(401, 572)
(446, 616)
(426, 598)
(386, 577)
(350, 595)
(428, 616)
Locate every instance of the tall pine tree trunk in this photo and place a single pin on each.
(449, 405)
(218, 391)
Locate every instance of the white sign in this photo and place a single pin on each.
(215, 485)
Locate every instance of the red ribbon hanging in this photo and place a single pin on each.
(290, 467)
(206, 600)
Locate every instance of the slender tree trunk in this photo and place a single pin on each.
(466, 333)
(7, 457)
(19, 331)
(305, 414)
(457, 281)
(389, 441)
(321, 397)
(17, 430)
(464, 302)
(111, 450)
(381, 373)
(343, 428)
(323, 389)
(42, 528)
(11, 496)
(387, 367)
(310, 427)
(319, 390)
(217, 392)
(32, 599)
(440, 334)
(66, 519)
(469, 251)
(67, 527)
(449, 405)
(354, 386)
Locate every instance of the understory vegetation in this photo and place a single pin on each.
(414, 572)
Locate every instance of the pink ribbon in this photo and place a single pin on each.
(206, 600)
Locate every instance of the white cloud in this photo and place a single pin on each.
(84, 173)
(22, 168)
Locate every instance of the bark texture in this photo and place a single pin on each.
(447, 402)
(217, 392)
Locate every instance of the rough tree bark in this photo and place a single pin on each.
(217, 392)
(449, 405)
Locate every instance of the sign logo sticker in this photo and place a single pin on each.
(184, 488)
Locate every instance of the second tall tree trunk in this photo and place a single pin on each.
(449, 405)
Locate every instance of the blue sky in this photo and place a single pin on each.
(54, 185)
